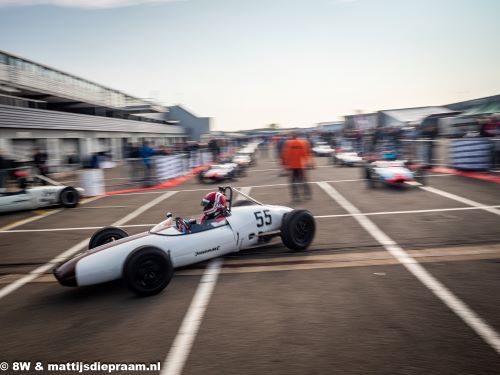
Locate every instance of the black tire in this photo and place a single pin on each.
(69, 197)
(147, 271)
(106, 235)
(298, 229)
(243, 202)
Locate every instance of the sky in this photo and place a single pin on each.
(251, 63)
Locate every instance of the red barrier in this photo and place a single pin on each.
(167, 184)
(470, 174)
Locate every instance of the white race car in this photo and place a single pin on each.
(220, 172)
(30, 198)
(392, 172)
(322, 149)
(146, 261)
(347, 157)
(244, 159)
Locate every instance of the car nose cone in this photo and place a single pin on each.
(65, 273)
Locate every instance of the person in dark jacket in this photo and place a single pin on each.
(40, 163)
(146, 153)
(4, 169)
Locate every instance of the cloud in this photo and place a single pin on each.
(88, 4)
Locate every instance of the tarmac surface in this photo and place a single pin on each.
(397, 281)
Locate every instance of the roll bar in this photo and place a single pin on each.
(228, 192)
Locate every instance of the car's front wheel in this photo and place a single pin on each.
(106, 235)
(69, 197)
(298, 229)
(147, 271)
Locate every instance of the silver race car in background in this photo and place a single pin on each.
(220, 172)
(346, 156)
(322, 149)
(33, 197)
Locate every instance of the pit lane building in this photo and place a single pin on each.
(67, 115)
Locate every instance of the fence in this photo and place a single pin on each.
(462, 153)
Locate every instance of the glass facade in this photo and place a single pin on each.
(113, 98)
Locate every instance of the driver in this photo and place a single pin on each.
(214, 209)
(214, 214)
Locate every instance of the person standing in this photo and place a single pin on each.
(296, 157)
(40, 163)
(4, 169)
(146, 153)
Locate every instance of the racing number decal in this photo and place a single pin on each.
(261, 221)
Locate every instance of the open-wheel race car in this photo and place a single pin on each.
(31, 196)
(220, 172)
(146, 261)
(347, 156)
(390, 171)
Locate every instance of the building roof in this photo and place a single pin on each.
(407, 115)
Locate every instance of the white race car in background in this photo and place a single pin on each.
(392, 172)
(220, 172)
(146, 261)
(347, 156)
(322, 149)
(244, 158)
(31, 198)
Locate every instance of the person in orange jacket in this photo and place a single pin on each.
(296, 157)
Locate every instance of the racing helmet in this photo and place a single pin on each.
(214, 204)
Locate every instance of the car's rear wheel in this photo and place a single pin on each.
(106, 235)
(147, 271)
(69, 197)
(297, 229)
(243, 202)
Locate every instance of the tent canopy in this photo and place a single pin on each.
(482, 109)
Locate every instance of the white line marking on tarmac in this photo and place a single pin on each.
(460, 199)
(406, 212)
(474, 321)
(74, 228)
(279, 169)
(262, 186)
(38, 217)
(98, 207)
(179, 352)
(316, 217)
(5, 291)
(28, 220)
